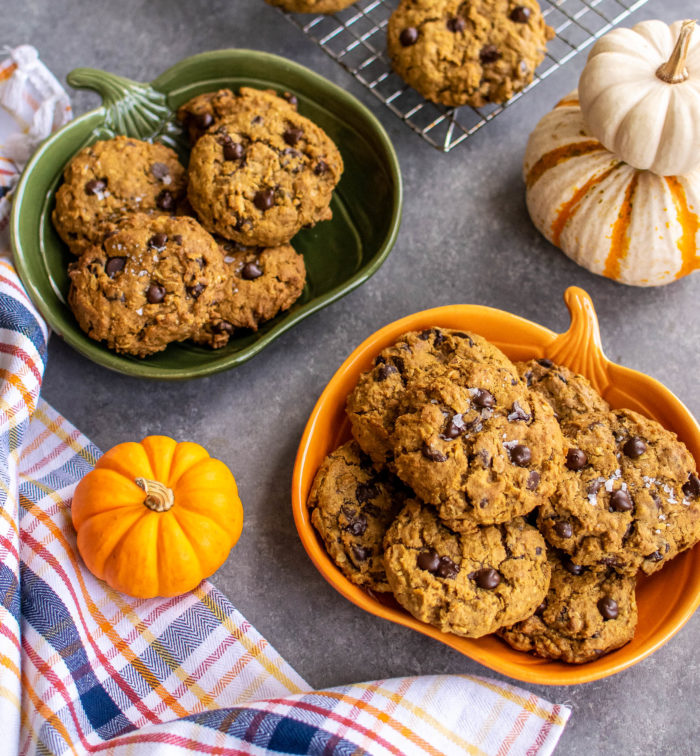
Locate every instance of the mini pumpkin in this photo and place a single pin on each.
(626, 224)
(640, 95)
(154, 518)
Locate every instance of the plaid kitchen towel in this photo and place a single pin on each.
(85, 669)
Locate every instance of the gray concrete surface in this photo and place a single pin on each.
(466, 238)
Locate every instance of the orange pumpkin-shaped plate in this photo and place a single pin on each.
(666, 600)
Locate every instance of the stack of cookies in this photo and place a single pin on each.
(167, 254)
(493, 497)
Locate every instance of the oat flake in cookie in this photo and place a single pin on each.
(459, 52)
(585, 615)
(351, 507)
(259, 177)
(467, 584)
(208, 110)
(260, 282)
(151, 282)
(110, 179)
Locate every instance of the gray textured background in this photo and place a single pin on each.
(465, 238)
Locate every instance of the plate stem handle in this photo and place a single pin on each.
(131, 108)
(580, 347)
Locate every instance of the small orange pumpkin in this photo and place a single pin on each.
(157, 517)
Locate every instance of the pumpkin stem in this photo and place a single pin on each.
(159, 497)
(673, 71)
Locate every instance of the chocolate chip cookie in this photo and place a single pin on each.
(351, 507)
(207, 110)
(260, 283)
(446, 411)
(259, 178)
(629, 497)
(467, 584)
(110, 179)
(467, 53)
(312, 6)
(151, 282)
(586, 614)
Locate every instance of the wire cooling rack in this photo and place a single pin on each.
(356, 38)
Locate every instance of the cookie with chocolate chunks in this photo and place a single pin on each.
(260, 283)
(586, 614)
(352, 505)
(469, 584)
(311, 6)
(261, 176)
(474, 53)
(110, 179)
(153, 281)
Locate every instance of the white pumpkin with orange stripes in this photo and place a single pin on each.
(626, 224)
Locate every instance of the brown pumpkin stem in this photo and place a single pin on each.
(673, 71)
(159, 498)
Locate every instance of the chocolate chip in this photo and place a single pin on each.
(434, 455)
(489, 54)
(439, 336)
(538, 550)
(533, 480)
(233, 150)
(223, 326)
(177, 239)
(594, 486)
(691, 488)
(456, 24)
(196, 291)
(634, 447)
(95, 186)
(447, 568)
(357, 526)
(462, 335)
(483, 398)
(425, 335)
(572, 567)
(158, 241)
(257, 120)
(540, 609)
(487, 578)
(155, 293)
(321, 167)
(576, 459)
(361, 554)
(520, 455)
(455, 427)
(366, 491)
(203, 120)
(409, 36)
(165, 201)
(620, 501)
(290, 98)
(264, 199)
(292, 135)
(114, 265)
(429, 560)
(656, 556)
(608, 608)
(384, 371)
(520, 14)
(517, 413)
(563, 529)
(250, 271)
(160, 171)
(545, 363)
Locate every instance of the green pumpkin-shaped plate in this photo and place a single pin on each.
(340, 254)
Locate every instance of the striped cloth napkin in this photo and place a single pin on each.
(84, 669)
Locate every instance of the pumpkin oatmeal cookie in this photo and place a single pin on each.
(110, 179)
(312, 6)
(585, 615)
(351, 507)
(467, 53)
(259, 177)
(260, 282)
(469, 584)
(151, 282)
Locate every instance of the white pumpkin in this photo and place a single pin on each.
(640, 95)
(629, 225)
